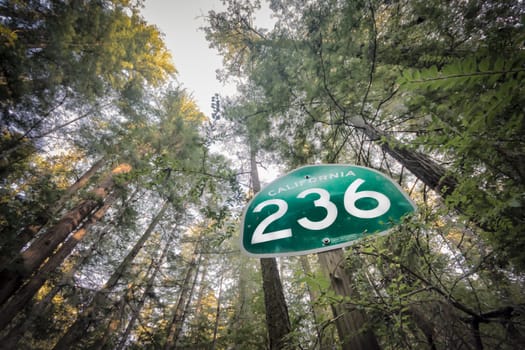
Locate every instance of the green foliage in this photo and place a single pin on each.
(458, 96)
(66, 58)
(334, 81)
(441, 79)
(468, 72)
(420, 287)
(27, 195)
(475, 104)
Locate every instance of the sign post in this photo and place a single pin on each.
(321, 207)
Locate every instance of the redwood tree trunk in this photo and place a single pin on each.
(29, 260)
(30, 231)
(79, 184)
(179, 316)
(88, 316)
(277, 319)
(39, 308)
(351, 324)
(10, 309)
(425, 169)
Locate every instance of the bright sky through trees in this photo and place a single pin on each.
(128, 238)
(196, 63)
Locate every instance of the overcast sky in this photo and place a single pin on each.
(195, 62)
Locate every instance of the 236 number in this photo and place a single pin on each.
(351, 196)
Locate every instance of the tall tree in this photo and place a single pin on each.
(29, 231)
(277, 319)
(38, 309)
(252, 129)
(187, 289)
(330, 67)
(68, 56)
(76, 330)
(26, 292)
(30, 259)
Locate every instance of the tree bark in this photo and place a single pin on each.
(11, 340)
(88, 316)
(425, 169)
(183, 302)
(277, 319)
(217, 314)
(29, 260)
(10, 309)
(30, 231)
(149, 287)
(350, 324)
(79, 184)
(316, 310)
(240, 304)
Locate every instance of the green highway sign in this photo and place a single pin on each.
(321, 207)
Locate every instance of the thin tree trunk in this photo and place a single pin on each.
(190, 297)
(79, 184)
(113, 326)
(217, 313)
(202, 289)
(10, 309)
(88, 316)
(277, 319)
(149, 287)
(29, 260)
(425, 169)
(30, 231)
(315, 309)
(11, 339)
(350, 324)
(240, 304)
(179, 316)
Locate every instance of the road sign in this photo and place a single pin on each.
(321, 207)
